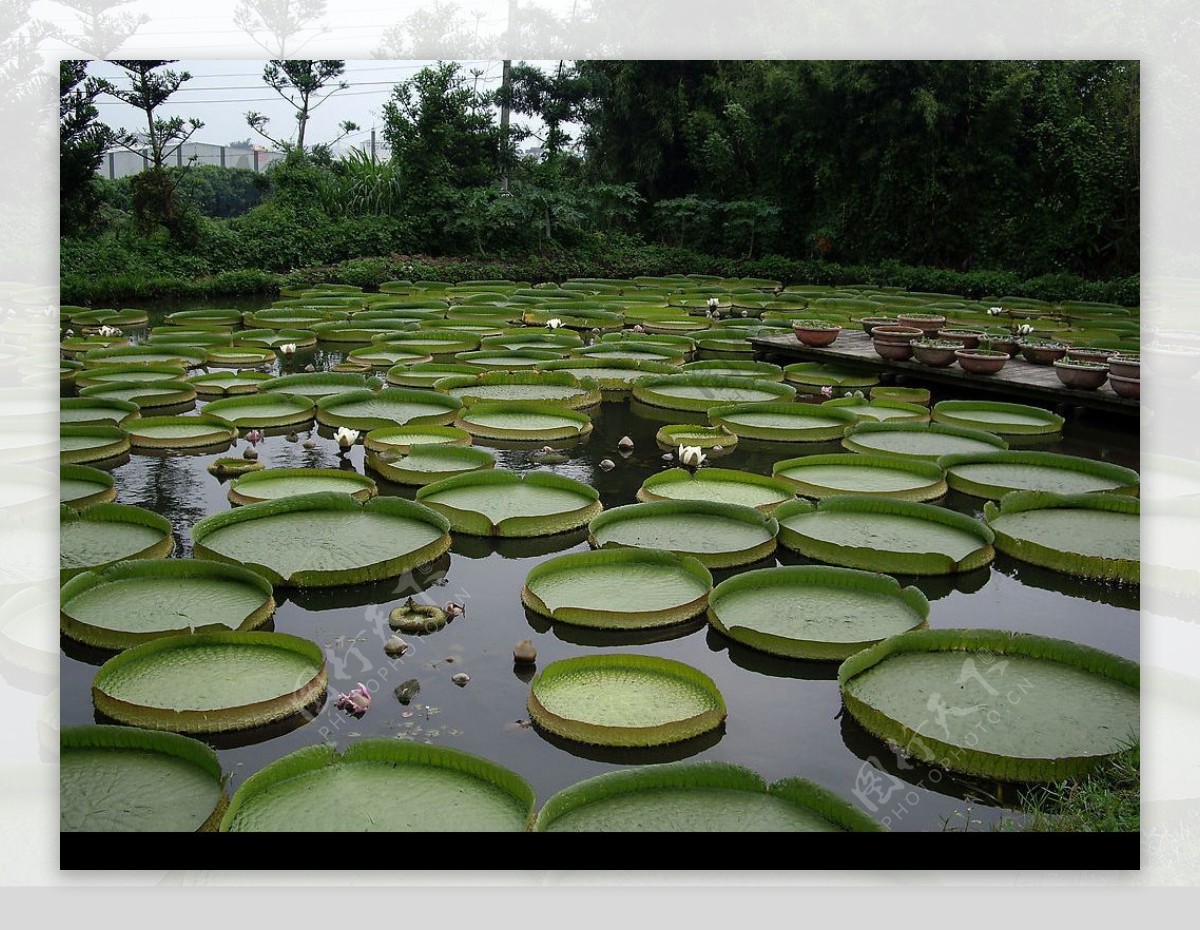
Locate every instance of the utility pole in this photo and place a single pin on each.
(505, 90)
(372, 145)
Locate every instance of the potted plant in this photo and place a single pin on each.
(926, 322)
(894, 342)
(1124, 366)
(1038, 352)
(868, 323)
(936, 353)
(1088, 354)
(966, 338)
(1080, 374)
(816, 333)
(985, 360)
(1125, 387)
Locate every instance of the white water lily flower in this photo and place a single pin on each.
(691, 456)
(288, 348)
(1025, 329)
(713, 303)
(554, 323)
(346, 437)
(109, 331)
(995, 311)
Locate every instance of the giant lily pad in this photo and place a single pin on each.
(700, 797)
(276, 338)
(147, 395)
(229, 383)
(403, 439)
(553, 387)
(995, 417)
(618, 589)
(323, 539)
(615, 376)
(384, 355)
(994, 474)
(435, 343)
(315, 385)
(127, 604)
(81, 444)
(108, 533)
(126, 374)
(425, 374)
(96, 411)
(1089, 535)
(702, 437)
(885, 535)
(847, 473)
(925, 441)
(205, 318)
(632, 351)
(239, 356)
(884, 411)
(182, 356)
(118, 318)
(503, 503)
(274, 483)
(80, 486)
(717, 484)
(523, 338)
(507, 360)
(717, 535)
(624, 700)
(211, 682)
(201, 431)
(429, 463)
(263, 409)
(814, 611)
(290, 317)
(1009, 706)
(783, 422)
(368, 410)
(523, 421)
(126, 780)
(703, 392)
(381, 785)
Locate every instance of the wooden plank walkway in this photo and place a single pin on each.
(1019, 379)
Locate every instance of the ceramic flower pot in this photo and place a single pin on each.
(1125, 387)
(1042, 354)
(868, 323)
(967, 338)
(926, 322)
(1124, 366)
(981, 361)
(896, 334)
(1081, 376)
(1085, 354)
(892, 351)
(816, 336)
(933, 355)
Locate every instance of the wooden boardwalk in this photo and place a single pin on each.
(1018, 380)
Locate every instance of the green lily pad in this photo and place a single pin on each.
(276, 338)
(289, 318)
(435, 343)
(507, 360)
(134, 602)
(201, 431)
(1088, 535)
(126, 374)
(994, 474)
(147, 395)
(315, 385)
(703, 392)
(427, 464)
(403, 439)
(275, 483)
(119, 318)
(624, 700)
(96, 411)
(253, 411)
(906, 395)
(203, 318)
(925, 441)
(698, 797)
(323, 539)
(368, 410)
(81, 444)
(702, 437)
(211, 682)
(503, 503)
(381, 785)
(239, 356)
(783, 422)
(883, 411)
(523, 421)
(557, 387)
(716, 535)
(632, 351)
(615, 376)
(825, 475)
(126, 780)
(618, 589)
(229, 383)
(228, 467)
(885, 535)
(383, 355)
(814, 611)
(108, 533)
(182, 356)
(1008, 706)
(425, 374)
(735, 368)
(1004, 419)
(725, 485)
(80, 486)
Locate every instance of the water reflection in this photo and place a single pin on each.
(593, 636)
(366, 593)
(763, 663)
(529, 547)
(647, 755)
(1090, 589)
(235, 739)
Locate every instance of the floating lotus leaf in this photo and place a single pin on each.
(825, 475)
(435, 343)
(411, 617)
(382, 355)
(886, 535)
(429, 463)
(126, 780)
(814, 611)
(96, 411)
(716, 535)
(925, 441)
(522, 338)
(1089, 535)
(1005, 419)
(148, 395)
(403, 439)
(576, 317)
(106, 533)
(289, 318)
(703, 437)
(275, 483)
(368, 410)
(503, 503)
(783, 422)
(239, 356)
(994, 474)
(523, 421)
(632, 351)
(624, 700)
(425, 374)
(125, 604)
(683, 345)
(67, 372)
(80, 486)
(233, 467)
(618, 589)
(615, 376)
(275, 338)
(200, 431)
(324, 539)
(193, 338)
(510, 360)
(703, 392)
(204, 318)
(127, 374)
(211, 682)
(315, 385)
(717, 484)
(810, 377)
(1008, 706)
(229, 383)
(81, 444)
(146, 355)
(263, 409)
(77, 346)
(362, 332)
(735, 368)
(889, 411)
(702, 797)
(905, 395)
(381, 785)
(554, 387)
(119, 318)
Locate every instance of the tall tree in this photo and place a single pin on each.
(103, 27)
(301, 83)
(278, 22)
(83, 140)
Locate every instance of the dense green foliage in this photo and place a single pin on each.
(83, 141)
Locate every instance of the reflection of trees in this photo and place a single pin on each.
(278, 21)
(170, 487)
(440, 32)
(101, 30)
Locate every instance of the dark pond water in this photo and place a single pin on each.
(785, 717)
